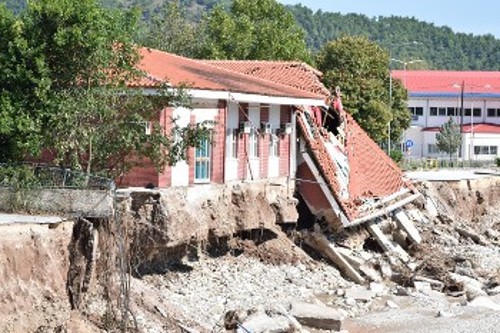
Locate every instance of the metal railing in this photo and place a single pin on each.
(435, 163)
(33, 175)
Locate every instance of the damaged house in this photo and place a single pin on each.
(274, 120)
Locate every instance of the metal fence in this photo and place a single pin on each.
(434, 163)
(17, 176)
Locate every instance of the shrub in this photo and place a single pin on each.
(396, 155)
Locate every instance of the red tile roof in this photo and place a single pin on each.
(290, 73)
(177, 70)
(475, 128)
(428, 81)
(372, 173)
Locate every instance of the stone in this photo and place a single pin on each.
(317, 316)
(473, 288)
(494, 291)
(406, 224)
(484, 302)
(261, 322)
(377, 288)
(391, 304)
(360, 294)
(371, 273)
(422, 287)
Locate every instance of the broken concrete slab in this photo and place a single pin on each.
(321, 244)
(360, 293)
(260, 322)
(407, 226)
(385, 243)
(378, 288)
(317, 316)
(371, 273)
(484, 302)
(473, 288)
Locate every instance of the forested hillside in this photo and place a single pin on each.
(440, 47)
(406, 38)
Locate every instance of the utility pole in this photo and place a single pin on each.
(462, 118)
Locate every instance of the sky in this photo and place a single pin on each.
(479, 17)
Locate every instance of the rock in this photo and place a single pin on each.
(473, 288)
(484, 302)
(377, 288)
(317, 316)
(261, 322)
(386, 270)
(494, 291)
(360, 294)
(436, 284)
(401, 291)
(370, 272)
(422, 287)
(391, 304)
(442, 313)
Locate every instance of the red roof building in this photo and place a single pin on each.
(470, 98)
(257, 107)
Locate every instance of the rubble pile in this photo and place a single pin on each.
(457, 263)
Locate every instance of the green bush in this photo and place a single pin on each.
(396, 155)
(18, 177)
(497, 161)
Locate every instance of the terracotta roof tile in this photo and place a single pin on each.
(485, 128)
(177, 70)
(289, 73)
(373, 173)
(428, 81)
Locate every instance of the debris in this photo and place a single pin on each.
(321, 244)
(484, 302)
(405, 224)
(317, 316)
(391, 304)
(360, 293)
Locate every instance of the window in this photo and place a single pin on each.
(450, 111)
(476, 112)
(416, 111)
(274, 143)
(434, 111)
(492, 113)
(442, 111)
(485, 150)
(202, 162)
(467, 112)
(232, 143)
(432, 149)
(253, 143)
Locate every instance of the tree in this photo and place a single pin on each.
(449, 138)
(259, 30)
(68, 66)
(170, 31)
(361, 69)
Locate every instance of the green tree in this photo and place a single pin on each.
(361, 68)
(169, 30)
(449, 138)
(260, 29)
(68, 65)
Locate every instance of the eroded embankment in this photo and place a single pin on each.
(34, 262)
(62, 278)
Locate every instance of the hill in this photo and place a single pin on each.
(407, 38)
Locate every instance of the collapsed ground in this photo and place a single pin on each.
(221, 281)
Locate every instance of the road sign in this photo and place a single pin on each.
(409, 143)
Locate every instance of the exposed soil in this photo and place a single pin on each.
(193, 261)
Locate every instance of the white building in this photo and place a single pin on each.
(435, 96)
